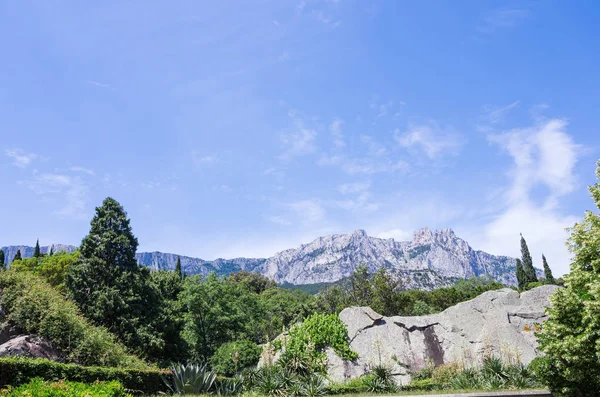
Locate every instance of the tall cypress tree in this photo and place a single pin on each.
(109, 286)
(17, 256)
(178, 269)
(528, 268)
(547, 271)
(51, 251)
(36, 251)
(521, 279)
(2, 264)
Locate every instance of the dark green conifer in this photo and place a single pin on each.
(178, 269)
(17, 256)
(547, 271)
(521, 278)
(528, 268)
(51, 251)
(2, 264)
(36, 251)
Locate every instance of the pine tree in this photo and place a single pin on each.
(178, 269)
(17, 256)
(547, 271)
(51, 251)
(36, 251)
(528, 268)
(2, 264)
(521, 278)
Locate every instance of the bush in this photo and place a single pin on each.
(35, 307)
(18, 371)
(231, 357)
(40, 388)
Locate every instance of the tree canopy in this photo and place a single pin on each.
(570, 338)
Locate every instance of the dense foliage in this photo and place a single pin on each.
(382, 292)
(232, 357)
(35, 307)
(492, 374)
(40, 388)
(570, 338)
(18, 371)
(50, 267)
(113, 291)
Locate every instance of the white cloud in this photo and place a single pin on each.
(495, 114)
(543, 156)
(356, 187)
(72, 192)
(366, 165)
(20, 158)
(83, 170)
(336, 130)
(431, 140)
(201, 160)
(502, 19)
(279, 220)
(308, 210)
(396, 234)
(300, 141)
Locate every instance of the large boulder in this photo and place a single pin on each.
(500, 322)
(30, 346)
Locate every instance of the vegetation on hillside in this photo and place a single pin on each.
(570, 338)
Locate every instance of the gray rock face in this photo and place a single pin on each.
(30, 346)
(499, 322)
(430, 260)
(27, 251)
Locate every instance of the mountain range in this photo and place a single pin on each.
(433, 258)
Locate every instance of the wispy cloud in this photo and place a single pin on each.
(20, 158)
(83, 170)
(336, 131)
(431, 140)
(365, 165)
(308, 211)
(543, 155)
(203, 159)
(502, 19)
(99, 84)
(355, 187)
(71, 191)
(496, 114)
(298, 142)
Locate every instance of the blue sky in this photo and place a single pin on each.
(243, 128)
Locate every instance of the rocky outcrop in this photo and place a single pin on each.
(499, 322)
(30, 346)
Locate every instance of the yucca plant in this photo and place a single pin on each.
(191, 378)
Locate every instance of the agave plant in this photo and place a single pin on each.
(191, 378)
(313, 386)
(230, 387)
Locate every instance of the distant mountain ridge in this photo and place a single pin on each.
(433, 258)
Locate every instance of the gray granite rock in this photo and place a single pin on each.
(30, 346)
(499, 322)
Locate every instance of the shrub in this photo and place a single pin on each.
(17, 371)
(231, 357)
(35, 307)
(40, 388)
(191, 379)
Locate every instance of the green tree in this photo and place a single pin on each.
(384, 286)
(17, 256)
(528, 268)
(360, 286)
(51, 251)
(178, 269)
(2, 264)
(570, 338)
(36, 250)
(521, 277)
(547, 271)
(110, 287)
(254, 281)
